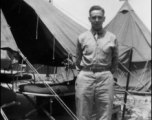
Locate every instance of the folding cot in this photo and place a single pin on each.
(8, 93)
(36, 89)
(8, 98)
(41, 91)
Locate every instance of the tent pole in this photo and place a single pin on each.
(127, 85)
(47, 71)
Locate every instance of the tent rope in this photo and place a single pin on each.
(134, 76)
(50, 89)
(142, 75)
(3, 114)
(132, 97)
(39, 67)
(58, 98)
(122, 103)
(140, 54)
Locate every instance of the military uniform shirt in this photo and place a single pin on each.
(92, 52)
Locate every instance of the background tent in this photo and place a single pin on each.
(78, 9)
(9, 48)
(132, 33)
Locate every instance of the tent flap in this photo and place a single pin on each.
(64, 29)
(9, 48)
(7, 39)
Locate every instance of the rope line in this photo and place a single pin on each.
(147, 109)
(3, 114)
(58, 98)
(142, 75)
(132, 96)
(51, 90)
(134, 76)
(127, 106)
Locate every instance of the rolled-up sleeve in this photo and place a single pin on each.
(78, 55)
(115, 54)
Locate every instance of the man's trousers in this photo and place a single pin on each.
(94, 88)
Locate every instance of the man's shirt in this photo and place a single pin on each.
(92, 52)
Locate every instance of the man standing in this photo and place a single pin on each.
(97, 60)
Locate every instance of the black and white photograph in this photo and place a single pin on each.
(75, 60)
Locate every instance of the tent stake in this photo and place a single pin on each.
(127, 85)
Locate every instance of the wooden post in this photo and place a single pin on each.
(127, 85)
(47, 71)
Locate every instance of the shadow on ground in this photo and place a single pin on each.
(17, 112)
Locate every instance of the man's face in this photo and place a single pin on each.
(96, 18)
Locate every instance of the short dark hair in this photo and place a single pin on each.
(96, 7)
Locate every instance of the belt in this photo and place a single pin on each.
(96, 69)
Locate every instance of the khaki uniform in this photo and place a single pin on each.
(97, 59)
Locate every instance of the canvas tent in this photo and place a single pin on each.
(36, 24)
(41, 24)
(62, 27)
(53, 24)
(132, 33)
(126, 23)
(8, 44)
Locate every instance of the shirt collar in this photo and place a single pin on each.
(100, 32)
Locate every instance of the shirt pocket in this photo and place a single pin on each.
(88, 50)
(106, 49)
